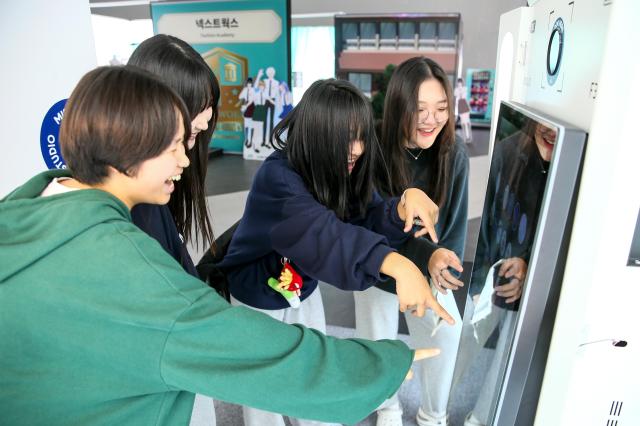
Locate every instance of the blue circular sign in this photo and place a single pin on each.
(49, 144)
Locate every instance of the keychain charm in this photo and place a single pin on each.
(288, 285)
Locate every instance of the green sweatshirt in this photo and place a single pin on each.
(99, 325)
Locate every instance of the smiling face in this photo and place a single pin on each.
(545, 140)
(356, 149)
(432, 114)
(199, 124)
(154, 180)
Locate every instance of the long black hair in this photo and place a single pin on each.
(398, 126)
(317, 135)
(184, 70)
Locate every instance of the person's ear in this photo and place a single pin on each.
(113, 172)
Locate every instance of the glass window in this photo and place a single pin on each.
(407, 30)
(388, 30)
(427, 30)
(362, 81)
(349, 31)
(447, 30)
(314, 64)
(367, 30)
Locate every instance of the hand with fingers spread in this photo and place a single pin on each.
(441, 260)
(421, 354)
(514, 269)
(412, 287)
(416, 206)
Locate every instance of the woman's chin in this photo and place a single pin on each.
(425, 142)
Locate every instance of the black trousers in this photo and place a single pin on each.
(271, 108)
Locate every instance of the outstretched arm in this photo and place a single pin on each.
(239, 355)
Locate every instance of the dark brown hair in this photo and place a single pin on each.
(183, 69)
(399, 123)
(118, 117)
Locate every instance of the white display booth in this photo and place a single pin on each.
(577, 61)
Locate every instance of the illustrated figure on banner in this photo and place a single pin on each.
(286, 100)
(464, 112)
(246, 102)
(271, 92)
(263, 101)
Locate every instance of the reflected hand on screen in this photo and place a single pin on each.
(515, 269)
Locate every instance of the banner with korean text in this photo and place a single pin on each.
(247, 44)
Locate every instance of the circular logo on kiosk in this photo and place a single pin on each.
(49, 132)
(555, 49)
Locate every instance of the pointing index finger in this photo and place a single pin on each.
(425, 353)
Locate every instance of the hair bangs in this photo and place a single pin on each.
(191, 88)
(320, 130)
(118, 117)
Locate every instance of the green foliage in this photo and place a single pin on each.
(381, 81)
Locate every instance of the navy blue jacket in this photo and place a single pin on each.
(158, 223)
(282, 219)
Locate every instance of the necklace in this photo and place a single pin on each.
(544, 165)
(415, 157)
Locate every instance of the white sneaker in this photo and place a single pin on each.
(472, 420)
(389, 417)
(425, 419)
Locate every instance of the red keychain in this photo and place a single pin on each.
(288, 284)
(290, 276)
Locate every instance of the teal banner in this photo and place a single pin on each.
(247, 45)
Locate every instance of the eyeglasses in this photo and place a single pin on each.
(440, 115)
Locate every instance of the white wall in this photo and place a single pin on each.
(117, 38)
(45, 47)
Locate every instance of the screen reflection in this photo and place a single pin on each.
(522, 153)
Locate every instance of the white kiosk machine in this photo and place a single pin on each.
(571, 65)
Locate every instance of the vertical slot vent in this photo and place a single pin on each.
(614, 413)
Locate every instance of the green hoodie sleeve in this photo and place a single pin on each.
(239, 355)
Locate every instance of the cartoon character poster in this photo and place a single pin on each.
(247, 44)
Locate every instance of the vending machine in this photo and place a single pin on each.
(480, 84)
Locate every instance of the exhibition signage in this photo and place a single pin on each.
(247, 44)
(49, 131)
